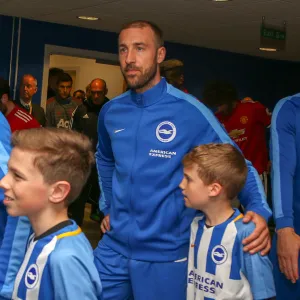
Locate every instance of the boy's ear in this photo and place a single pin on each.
(59, 192)
(214, 189)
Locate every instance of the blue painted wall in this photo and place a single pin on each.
(5, 46)
(262, 79)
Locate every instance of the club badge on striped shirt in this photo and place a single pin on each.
(219, 254)
(32, 276)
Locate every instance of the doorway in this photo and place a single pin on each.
(83, 66)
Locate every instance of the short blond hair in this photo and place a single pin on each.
(61, 155)
(221, 163)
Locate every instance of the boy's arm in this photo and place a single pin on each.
(256, 268)
(105, 162)
(73, 278)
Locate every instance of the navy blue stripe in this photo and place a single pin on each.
(216, 239)
(235, 265)
(206, 298)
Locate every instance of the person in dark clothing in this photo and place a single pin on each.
(28, 89)
(88, 115)
(79, 96)
(61, 109)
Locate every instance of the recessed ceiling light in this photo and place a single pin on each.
(221, 0)
(87, 18)
(268, 49)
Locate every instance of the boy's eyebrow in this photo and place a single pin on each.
(186, 175)
(15, 170)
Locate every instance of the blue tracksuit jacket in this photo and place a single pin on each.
(142, 141)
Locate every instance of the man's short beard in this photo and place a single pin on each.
(145, 79)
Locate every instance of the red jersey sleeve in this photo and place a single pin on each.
(33, 124)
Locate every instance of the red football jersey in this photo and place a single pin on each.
(247, 127)
(19, 119)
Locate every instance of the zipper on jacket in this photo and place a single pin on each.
(131, 178)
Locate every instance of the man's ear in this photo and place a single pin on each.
(161, 54)
(214, 189)
(59, 191)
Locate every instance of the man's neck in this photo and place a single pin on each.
(10, 107)
(98, 103)
(43, 221)
(218, 212)
(63, 100)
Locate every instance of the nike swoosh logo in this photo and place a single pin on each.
(118, 130)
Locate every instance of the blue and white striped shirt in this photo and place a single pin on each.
(218, 268)
(58, 266)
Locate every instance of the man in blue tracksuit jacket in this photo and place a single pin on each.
(285, 155)
(143, 136)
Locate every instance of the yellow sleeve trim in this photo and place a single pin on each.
(70, 233)
(238, 217)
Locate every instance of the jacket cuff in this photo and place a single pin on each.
(284, 222)
(266, 214)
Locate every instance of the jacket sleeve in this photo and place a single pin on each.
(283, 156)
(5, 149)
(105, 162)
(252, 196)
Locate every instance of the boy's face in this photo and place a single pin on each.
(26, 193)
(196, 193)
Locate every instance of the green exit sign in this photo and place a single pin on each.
(272, 33)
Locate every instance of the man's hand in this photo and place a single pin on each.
(259, 239)
(288, 246)
(105, 225)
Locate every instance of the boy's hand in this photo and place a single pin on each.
(259, 239)
(105, 225)
(288, 246)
